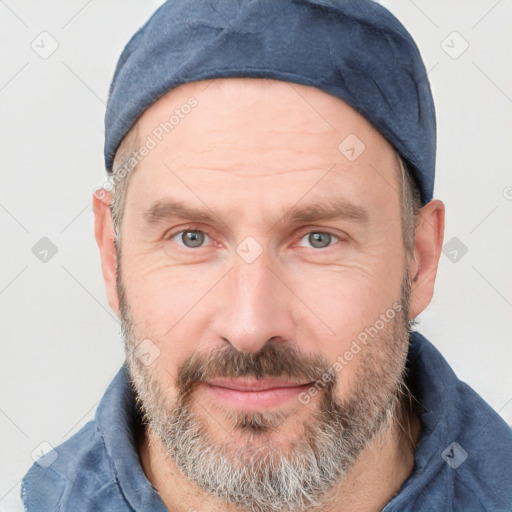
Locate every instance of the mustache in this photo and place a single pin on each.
(270, 361)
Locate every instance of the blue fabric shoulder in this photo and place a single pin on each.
(463, 462)
(80, 478)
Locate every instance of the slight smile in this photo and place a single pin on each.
(252, 394)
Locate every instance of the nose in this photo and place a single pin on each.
(253, 307)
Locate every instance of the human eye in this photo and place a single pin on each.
(190, 238)
(318, 240)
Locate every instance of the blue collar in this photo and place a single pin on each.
(118, 424)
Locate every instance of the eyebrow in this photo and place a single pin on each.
(167, 209)
(172, 209)
(331, 209)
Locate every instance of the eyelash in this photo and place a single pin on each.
(304, 234)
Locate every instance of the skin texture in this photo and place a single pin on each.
(247, 154)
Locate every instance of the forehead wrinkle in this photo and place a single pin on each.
(238, 171)
(229, 159)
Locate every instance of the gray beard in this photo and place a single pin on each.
(249, 469)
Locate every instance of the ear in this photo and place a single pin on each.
(104, 232)
(427, 250)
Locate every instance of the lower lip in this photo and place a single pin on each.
(255, 400)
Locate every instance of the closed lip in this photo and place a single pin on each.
(249, 384)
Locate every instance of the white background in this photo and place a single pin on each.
(60, 343)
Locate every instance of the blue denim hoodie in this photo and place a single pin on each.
(463, 461)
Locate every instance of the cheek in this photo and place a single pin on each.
(169, 306)
(342, 303)
(160, 294)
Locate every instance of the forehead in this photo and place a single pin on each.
(262, 138)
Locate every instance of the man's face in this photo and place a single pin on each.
(256, 254)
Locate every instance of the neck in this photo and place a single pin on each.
(369, 485)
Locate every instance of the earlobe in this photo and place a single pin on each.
(427, 250)
(104, 233)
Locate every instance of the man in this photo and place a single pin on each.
(270, 238)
